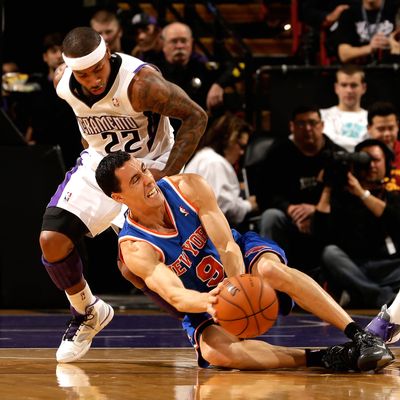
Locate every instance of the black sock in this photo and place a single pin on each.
(314, 358)
(351, 329)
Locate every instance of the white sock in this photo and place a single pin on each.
(81, 299)
(394, 310)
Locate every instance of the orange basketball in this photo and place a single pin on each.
(246, 306)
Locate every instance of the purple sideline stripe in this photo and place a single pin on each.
(155, 331)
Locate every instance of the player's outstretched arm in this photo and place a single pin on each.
(143, 260)
(201, 195)
(151, 92)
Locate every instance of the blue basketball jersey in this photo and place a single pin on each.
(191, 255)
(188, 251)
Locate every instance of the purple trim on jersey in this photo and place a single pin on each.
(57, 195)
(140, 67)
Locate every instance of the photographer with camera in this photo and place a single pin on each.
(357, 221)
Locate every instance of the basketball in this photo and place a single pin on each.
(246, 306)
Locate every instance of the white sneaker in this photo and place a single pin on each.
(81, 330)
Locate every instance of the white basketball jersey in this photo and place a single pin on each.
(111, 124)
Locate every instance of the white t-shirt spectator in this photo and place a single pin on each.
(345, 128)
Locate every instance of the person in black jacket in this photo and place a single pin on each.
(358, 224)
(291, 169)
(202, 79)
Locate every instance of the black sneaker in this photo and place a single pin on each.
(342, 357)
(374, 354)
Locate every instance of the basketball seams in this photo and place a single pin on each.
(253, 313)
(251, 296)
(246, 295)
(248, 298)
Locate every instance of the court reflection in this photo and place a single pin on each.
(76, 383)
(296, 385)
(176, 377)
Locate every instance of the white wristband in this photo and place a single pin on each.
(365, 195)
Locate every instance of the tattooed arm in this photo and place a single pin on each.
(149, 91)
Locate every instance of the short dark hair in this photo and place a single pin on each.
(382, 109)
(305, 109)
(351, 69)
(80, 41)
(51, 40)
(105, 171)
(389, 156)
(224, 129)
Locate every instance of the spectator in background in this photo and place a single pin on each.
(320, 16)
(383, 124)
(52, 120)
(291, 188)
(221, 148)
(358, 223)
(202, 80)
(9, 66)
(9, 102)
(107, 24)
(346, 123)
(363, 33)
(147, 35)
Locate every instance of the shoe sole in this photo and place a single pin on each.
(375, 365)
(76, 357)
(85, 349)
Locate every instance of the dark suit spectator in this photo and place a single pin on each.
(358, 223)
(291, 188)
(204, 81)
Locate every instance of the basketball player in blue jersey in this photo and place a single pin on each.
(120, 103)
(177, 243)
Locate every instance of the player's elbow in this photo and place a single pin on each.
(201, 117)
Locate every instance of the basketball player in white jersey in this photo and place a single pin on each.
(120, 103)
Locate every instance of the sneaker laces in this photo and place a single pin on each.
(75, 323)
(341, 357)
(366, 339)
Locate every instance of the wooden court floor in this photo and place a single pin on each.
(141, 356)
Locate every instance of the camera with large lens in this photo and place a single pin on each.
(340, 163)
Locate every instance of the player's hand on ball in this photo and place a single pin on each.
(212, 300)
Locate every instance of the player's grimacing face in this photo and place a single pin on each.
(138, 187)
